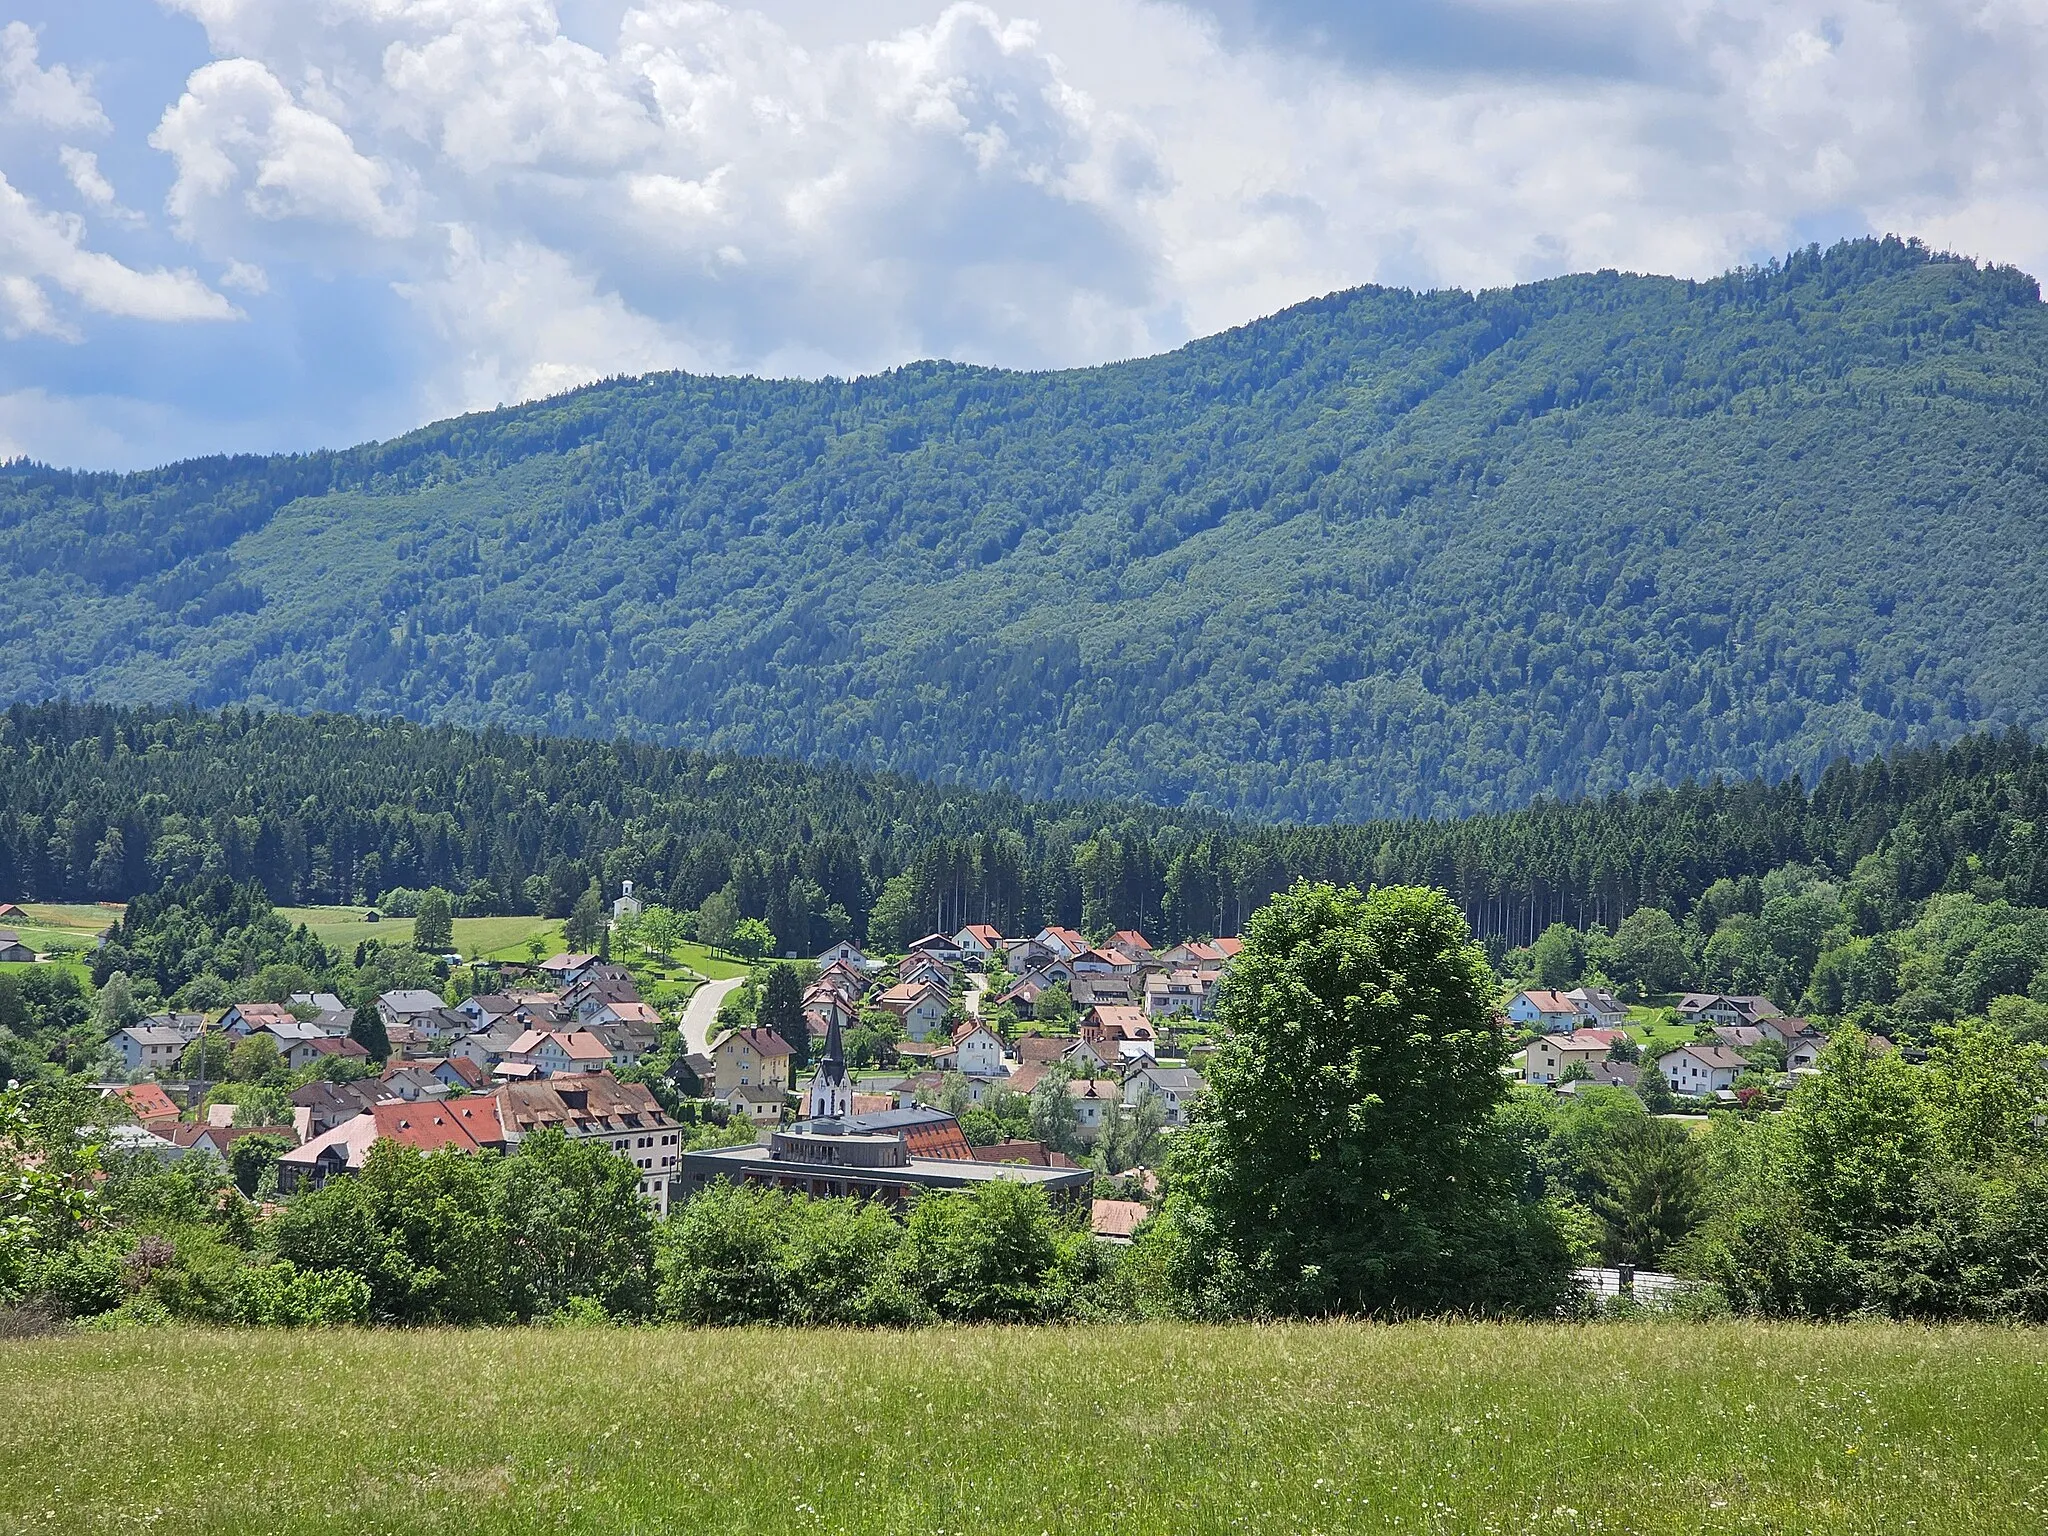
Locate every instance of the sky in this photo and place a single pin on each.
(270, 225)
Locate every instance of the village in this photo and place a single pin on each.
(926, 1071)
(964, 1032)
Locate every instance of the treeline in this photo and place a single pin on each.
(103, 803)
(554, 1232)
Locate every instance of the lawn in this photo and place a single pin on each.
(1148, 1429)
(51, 928)
(493, 938)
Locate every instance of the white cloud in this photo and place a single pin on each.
(243, 145)
(82, 166)
(39, 247)
(48, 98)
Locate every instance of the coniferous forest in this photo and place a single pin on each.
(1914, 884)
(1385, 553)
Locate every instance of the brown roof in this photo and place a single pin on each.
(464, 1124)
(581, 1100)
(335, 1045)
(1042, 1049)
(939, 1138)
(764, 1042)
(1116, 1218)
(1034, 1153)
(147, 1101)
(1121, 1021)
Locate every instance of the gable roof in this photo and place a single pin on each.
(408, 1000)
(763, 1042)
(1708, 1055)
(1116, 1219)
(1043, 1049)
(147, 1101)
(1545, 1000)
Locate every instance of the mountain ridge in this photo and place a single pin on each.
(1383, 552)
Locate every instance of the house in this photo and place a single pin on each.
(1095, 962)
(749, 1058)
(939, 946)
(188, 1025)
(1177, 1087)
(1063, 942)
(921, 970)
(1216, 952)
(1804, 1052)
(412, 1083)
(1786, 1028)
(1726, 1008)
(848, 955)
(926, 1055)
(244, 1019)
(1117, 1022)
(844, 981)
(1605, 1074)
(149, 1047)
(978, 942)
(456, 1072)
(318, 1002)
(625, 1042)
(12, 950)
(406, 1005)
(301, 1054)
(1042, 1050)
(1132, 943)
(1092, 1097)
(1022, 997)
(1183, 991)
(922, 1006)
(148, 1103)
(1598, 1005)
(489, 1046)
(1544, 1011)
(320, 1106)
(762, 1105)
(486, 1009)
(10, 913)
(1549, 1057)
(625, 905)
(1699, 1071)
(467, 1125)
(1742, 1037)
(553, 1051)
(641, 1020)
(566, 970)
(1027, 955)
(980, 1052)
(597, 1107)
(1099, 990)
(1113, 1221)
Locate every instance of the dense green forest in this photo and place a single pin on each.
(1383, 553)
(1913, 882)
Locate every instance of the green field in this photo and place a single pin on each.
(51, 928)
(1146, 1429)
(478, 938)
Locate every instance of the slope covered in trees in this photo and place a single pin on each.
(103, 803)
(1383, 553)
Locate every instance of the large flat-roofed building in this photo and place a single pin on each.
(893, 1155)
(829, 1158)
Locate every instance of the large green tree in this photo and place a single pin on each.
(1346, 1158)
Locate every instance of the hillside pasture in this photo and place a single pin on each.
(1153, 1428)
(477, 938)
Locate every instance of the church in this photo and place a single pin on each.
(892, 1155)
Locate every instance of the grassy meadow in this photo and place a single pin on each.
(1145, 1429)
(477, 938)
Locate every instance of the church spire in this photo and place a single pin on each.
(830, 1096)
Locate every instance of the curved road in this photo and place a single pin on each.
(701, 1012)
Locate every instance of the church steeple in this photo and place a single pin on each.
(830, 1096)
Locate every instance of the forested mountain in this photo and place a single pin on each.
(1384, 553)
(104, 803)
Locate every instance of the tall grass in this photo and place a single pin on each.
(1152, 1429)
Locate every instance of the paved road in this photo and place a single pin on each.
(701, 1012)
(977, 984)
